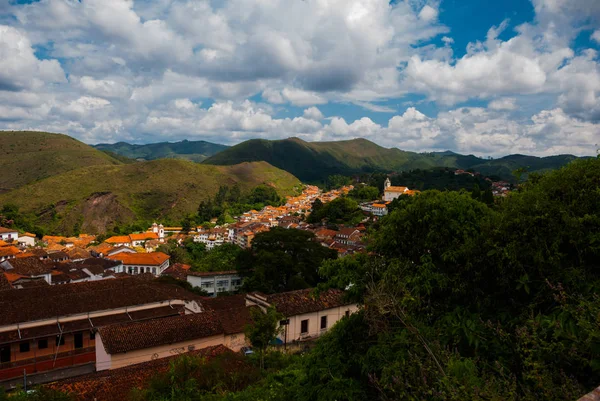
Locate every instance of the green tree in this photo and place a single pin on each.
(283, 260)
(263, 330)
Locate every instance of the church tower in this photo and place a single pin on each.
(387, 183)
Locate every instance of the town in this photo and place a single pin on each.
(88, 301)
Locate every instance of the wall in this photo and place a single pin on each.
(107, 361)
(292, 331)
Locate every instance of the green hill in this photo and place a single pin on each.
(195, 151)
(98, 197)
(27, 156)
(315, 161)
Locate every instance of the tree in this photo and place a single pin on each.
(263, 330)
(341, 210)
(364, 193)
(283, 260)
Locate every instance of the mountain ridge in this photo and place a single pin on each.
(196, 151)
(315, 161)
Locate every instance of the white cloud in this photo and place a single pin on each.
(313, 113)
(506, 103)
(428, 13)
(19, 67)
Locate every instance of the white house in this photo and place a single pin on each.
(138, 263)
(306, 316)
(215, 282)
(8, 234)
(391, 192)
(27, 239)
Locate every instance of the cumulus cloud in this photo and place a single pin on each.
(146, 71)
(19, 67)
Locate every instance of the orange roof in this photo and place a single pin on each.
(145, 259)
(53, 238)
(118, 239)
(377, 205)
(12, 277)
(9, 251)
(143, 236)
(396, 189)
(3, 243)
(27, 235)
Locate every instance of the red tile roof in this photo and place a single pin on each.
(4, 230)
(31, 266)
(117, 384)
(143, 236)
(49, 302)
(143, 259)
(210, 274)
(118, 239)
(152, 333)
(303, 301)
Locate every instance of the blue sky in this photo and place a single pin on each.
(486, 78)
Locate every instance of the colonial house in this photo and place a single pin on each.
(8, 252)
(132, 240)
(215, 282)
(375, 208)
(120, 249)
(138, 263)
(214, 237)
(306, 316)
(27, 269)
(348, 236)
(27, 239)
(8, 234)
(101, 250)
(131, 343)
(49, 329)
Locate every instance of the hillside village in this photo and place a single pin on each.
(89, 300)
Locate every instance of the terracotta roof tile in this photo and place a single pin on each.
(151, 333)
(303, 301)
(117, 384)
(144, 259)
(31, 266)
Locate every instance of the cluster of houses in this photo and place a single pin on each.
(499, 188)
(84, 313)
(103, 329)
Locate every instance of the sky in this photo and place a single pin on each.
(471, 76)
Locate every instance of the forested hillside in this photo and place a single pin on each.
(315, 161)
(30, 156)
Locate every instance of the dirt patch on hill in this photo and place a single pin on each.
(96, 214)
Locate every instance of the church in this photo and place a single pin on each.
(391, 192)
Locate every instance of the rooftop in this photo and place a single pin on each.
(117, 384)
(144, 259)
(303, 301)
(152, 333)
(31, 304)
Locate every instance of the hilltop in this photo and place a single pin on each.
(27, 156)
(98, 197)
(195, 151)
(315, 161)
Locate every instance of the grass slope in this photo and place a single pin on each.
(315, 161)
(98, 197)
(195, 151)
(27, 156)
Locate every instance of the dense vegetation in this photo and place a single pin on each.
(316, 161)
(195, 151)
(283, 260)
(230, 202)
(342, 210)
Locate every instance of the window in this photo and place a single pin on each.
(24, 347)
(60, 340)
(42, 344)
(323, 322)
(207, 285)
(223, 283)
(5, 354)
(78, 339)
(347, 313)
(304, 327)
(92, 335)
